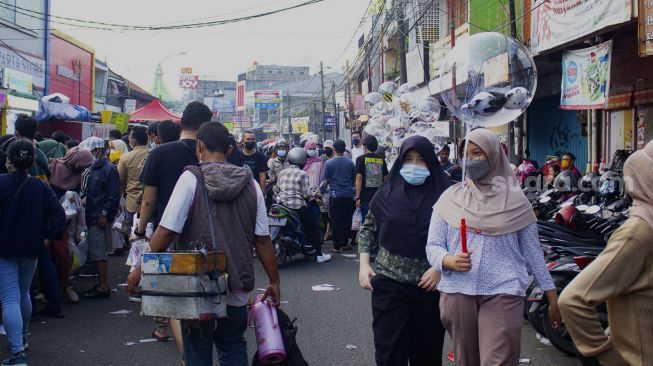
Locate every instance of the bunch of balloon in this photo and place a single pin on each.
(397, 112)
(487, 80)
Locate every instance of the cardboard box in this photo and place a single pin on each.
(183, 263)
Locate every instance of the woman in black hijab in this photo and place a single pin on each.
(405, 308)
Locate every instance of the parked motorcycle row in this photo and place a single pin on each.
(575, 220)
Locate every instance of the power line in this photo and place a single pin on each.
(353, 36)
(124, 27)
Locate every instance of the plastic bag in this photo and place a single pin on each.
(357, 220)
(138, 248)
(78, 255)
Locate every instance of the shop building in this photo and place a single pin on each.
(72, 69)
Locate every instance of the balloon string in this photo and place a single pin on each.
(463, 224)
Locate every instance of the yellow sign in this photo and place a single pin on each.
(229, 125)
(299, 125)
(120, 120)
(186, 70)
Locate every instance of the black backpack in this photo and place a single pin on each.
(294, 356)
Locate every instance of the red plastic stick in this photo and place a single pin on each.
(463, 235)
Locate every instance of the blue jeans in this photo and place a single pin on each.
(228, 335)
(15, 278)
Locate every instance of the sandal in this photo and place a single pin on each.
(155, 335)
(94, 293)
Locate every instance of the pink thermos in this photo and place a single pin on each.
(268, 333)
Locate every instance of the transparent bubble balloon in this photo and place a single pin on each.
(428, 131)
(382, 108)
(408, 100)
(495, 79)
(380, 120)
(428, 111)
(377, 130)
(373, 98)
(389, 87)
(394, 123)
(406, 88)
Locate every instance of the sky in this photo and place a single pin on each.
(303, 36)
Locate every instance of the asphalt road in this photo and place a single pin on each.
(328, 322)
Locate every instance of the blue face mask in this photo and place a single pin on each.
(282, 153)
(414, 174)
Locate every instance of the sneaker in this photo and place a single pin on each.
(25, 344)
(19, 359)
(323, 258)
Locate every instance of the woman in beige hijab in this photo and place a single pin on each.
(622, 276)
(483, 291)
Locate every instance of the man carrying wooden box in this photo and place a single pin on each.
(234, 201)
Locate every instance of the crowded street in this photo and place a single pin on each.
(326, 182)
(328, 323)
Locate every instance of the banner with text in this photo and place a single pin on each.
(586, 77)
(267, 99)
(556, 22)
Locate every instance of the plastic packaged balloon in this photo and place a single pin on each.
(387, 90)
(408, 101)
(380, 120)
(382, 107)
(406, 88)
(372, 98)
(428, 131)
(428, 110)
(377, 130)
(495, 79)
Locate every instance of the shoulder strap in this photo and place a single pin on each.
(205, 193)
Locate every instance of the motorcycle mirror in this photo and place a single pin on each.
(545, 199)
(581, 208)
(593, 210)
(566, 204)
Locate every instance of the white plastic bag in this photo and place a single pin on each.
(357, 220)
(77, 255)
(138, 248)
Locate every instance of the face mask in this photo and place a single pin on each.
(250, 145)
(565, 164)
(312, 153)
(328, 152)
(477, 169)
(355, 142)
(282, 153)
(414, 174)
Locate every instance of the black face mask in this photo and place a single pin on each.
(250, 145)
(328, 151)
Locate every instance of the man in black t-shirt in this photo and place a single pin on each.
(371, 169)
(166, 163)
(255, 160)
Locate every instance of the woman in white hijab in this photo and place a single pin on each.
(483, 291)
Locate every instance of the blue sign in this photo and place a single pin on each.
(266, 105)
(329, 122)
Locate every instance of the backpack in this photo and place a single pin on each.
(294, 356)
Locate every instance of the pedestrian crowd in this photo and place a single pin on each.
(62, 201)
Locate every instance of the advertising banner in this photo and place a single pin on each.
(17, 80)
(26, 63)
(299, 125)
(556, 22)
(645, 16)
(267, 99)
(586, 77)
(189, 81)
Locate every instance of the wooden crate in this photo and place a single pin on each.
(183, 263)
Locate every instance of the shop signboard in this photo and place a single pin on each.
(102, 130)
(189, 81)
(267, 99)
(586, 77)
(299, 125)
(26, 63)
(270, 128)
(242, 121)
(186, 70)
(130, 105)
(229, 126)
(554, 23)
(645, 16)
(359, 105)
(18, 81)
(329, 122)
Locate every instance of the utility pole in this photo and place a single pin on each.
(336, 111)
(289, 117)
(402, 43)
(323, 100)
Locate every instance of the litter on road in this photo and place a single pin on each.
(325, 287)
(349, 255)
(121, 312)
(350, 346)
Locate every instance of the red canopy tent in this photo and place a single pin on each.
(153, 112)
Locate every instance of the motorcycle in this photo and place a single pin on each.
(287, 234)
